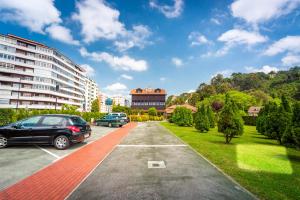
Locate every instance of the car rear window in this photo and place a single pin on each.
(123, 115)
(78, 121)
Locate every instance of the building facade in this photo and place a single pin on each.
(147, 98)
(120, 100)
(103, 107)
(91, 93)
(30, 71)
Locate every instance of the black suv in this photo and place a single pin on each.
(57, 130)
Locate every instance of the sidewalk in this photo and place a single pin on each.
(58, 180)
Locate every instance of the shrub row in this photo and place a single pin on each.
(9, 115)
(144, 118)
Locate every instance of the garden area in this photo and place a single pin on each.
(264, 158)
(260, 164)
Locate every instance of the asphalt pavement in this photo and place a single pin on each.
(19, 162)
(151, 163)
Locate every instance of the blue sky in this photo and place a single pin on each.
(173, 44)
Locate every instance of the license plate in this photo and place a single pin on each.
(86, 135)
(122, 121)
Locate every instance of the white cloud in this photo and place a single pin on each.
(125, 76)
(236, 37)
(225, 73)
(116, 87)
(61, 33)
(197, 38)
(265, 69)
(177, 61)
(89, 71)
(32, 14)
(191, 91)
(169, 11)
(239, 36)
(286, 44)
(291, 60)
(259, 11)
(138, 37)
(215, 21)
(162, 79)
(98, 20)
(124, 63)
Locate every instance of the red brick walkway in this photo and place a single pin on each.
(59, 179)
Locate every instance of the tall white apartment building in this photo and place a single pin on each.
(119, 100)
(91, 93)
(30, 71)
(103, 107)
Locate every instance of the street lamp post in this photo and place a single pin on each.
(18, 93)
(56, 89)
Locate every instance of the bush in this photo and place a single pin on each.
(152, 111)
(182, 116)
(249, 120)
(6, 116)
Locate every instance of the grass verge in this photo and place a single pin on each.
(259, 164)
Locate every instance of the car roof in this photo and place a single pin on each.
(59, 115)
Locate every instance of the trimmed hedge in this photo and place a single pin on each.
(249, 120)
(11, 115)
(144, 118)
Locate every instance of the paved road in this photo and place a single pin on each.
(125, 174)
(19, 162)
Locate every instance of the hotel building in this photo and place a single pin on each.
(30, 71)
(147, 98)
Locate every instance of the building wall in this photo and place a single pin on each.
(29, 71)
(147, 101)
(119, 100)
(91, 93)
(104, 108)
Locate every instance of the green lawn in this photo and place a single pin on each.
(259, 164)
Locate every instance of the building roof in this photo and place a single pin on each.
(45, 46)
(254, 109)
(148, 91)
(170, 110)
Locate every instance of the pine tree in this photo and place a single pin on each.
(286, 121)
(230, 122)
(201, 119)
(296, 123)
(211, 117)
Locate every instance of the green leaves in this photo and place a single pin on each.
(230, 122)
(182, 116)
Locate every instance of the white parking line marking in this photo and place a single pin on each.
(45, 150)
(151, 145)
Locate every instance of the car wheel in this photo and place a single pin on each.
(120, 125)
(61, 142)
(3, 141)
(109, 125)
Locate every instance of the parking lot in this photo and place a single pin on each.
(19, 162)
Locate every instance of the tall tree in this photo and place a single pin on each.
(230, 122)
(211, 117)
(201, 119)
(95, 106)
